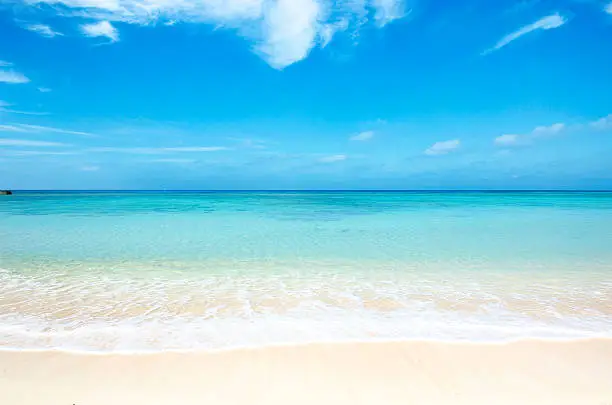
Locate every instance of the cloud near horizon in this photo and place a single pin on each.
(603, 122)
(282, 32)
(443, 147)
(333, 158)
(540, 131)
(508, 140)
(24, 153)
(362, 136)
(24, 142)
(163, 150)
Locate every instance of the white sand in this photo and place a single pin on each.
(522, 373)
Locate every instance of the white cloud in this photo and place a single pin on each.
(443, 147)
(41, 129)
(538, 132)
(10, 110)
(36, 153)
(44, 89)
(545, 23)
(327, 31)
(608, 8)
(101, 29)
(603, 122)
(249, 143)
(178, 161)
(363, 136)
(4, 63)
(333, 158)
(23, 142)
(44, 30)
(90, 168)
(290, 31)
(194, 149)
(282, 31)
(387, 11)
(156, 151)
(507, 140)
(11, 128)
(553, 129)
(12, 77)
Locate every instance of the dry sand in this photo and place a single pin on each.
(521, 373)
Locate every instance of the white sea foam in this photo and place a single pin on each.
(141, 309)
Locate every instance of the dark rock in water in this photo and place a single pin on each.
(6, 192)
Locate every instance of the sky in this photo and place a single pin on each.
(305, 94)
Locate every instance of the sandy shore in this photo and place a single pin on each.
(529, 372)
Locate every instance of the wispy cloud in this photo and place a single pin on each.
(545, 23)
(608, 8)
(36, 153)
(42, 29)
(550, 130)
(21, 112)
(24, 142)
(101, 29)
(41, 129)
(195, 149)
(327, 31)
(363, 136)
(4, 63)
(525, 139)
(333, 158)
(44, 89)
(11, 128)
(249, 143)
(155, 151)
(12, 77)
(282, 31)
(387, 11)
(177, 161)
(4, 108)
(443, 147)
(508, 140)
(603, 122)
(89, 168)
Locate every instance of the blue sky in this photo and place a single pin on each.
(305, 94)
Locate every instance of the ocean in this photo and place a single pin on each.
(156, 271)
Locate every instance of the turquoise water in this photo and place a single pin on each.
(182, 270)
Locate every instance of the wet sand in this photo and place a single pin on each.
(526, 372)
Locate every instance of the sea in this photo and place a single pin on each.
(147, 271)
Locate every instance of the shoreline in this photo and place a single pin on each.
(297, 345)
(401, 372)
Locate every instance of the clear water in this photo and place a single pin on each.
(186, 270)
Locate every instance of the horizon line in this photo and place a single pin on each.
(317, 190)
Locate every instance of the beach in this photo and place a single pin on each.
(305, 298)
(428, 373)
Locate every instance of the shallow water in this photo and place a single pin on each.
(157, 271)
